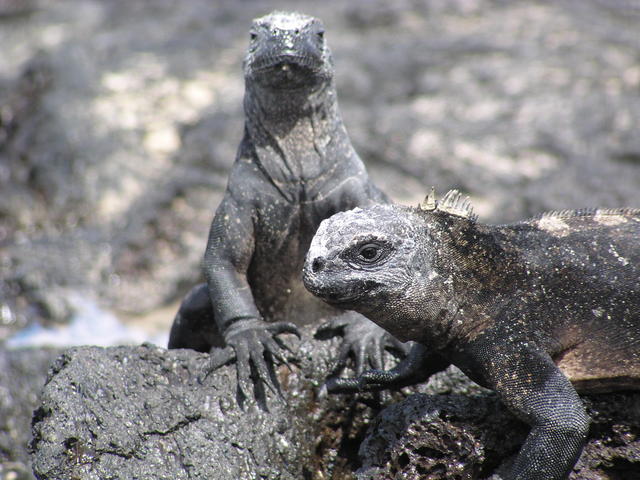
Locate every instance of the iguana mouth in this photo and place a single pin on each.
(305, 63)
(288, 77)
(329, 295)
(339, 297)
(288, 71)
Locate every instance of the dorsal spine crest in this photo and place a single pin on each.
(453, 203)
(588, 212)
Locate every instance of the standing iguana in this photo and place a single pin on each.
(525, 309)
(295, 166)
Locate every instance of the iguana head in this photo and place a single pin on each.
(287, 51)
(397, 265)
(363, 259)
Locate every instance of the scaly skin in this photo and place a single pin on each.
(535, 310)
(295, 167)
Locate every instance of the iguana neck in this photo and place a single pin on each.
(469, 273)
(291, 131)
(468, 253)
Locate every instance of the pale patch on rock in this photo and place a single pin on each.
(162, 139)
(424, 141)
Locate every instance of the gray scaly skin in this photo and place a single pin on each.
(295, 166)
(535, 310)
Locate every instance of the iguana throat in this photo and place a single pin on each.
(290, 101)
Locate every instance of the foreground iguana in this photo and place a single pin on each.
(526, 309)
(295, 166)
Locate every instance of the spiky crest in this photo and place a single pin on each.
(453, 203)
(429, 203)
(588, 212)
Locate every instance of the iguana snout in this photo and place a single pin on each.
(319, 264)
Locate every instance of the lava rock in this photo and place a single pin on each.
(143, 412)
(462, 437)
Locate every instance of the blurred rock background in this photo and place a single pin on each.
(119, 121)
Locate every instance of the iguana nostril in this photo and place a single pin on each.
(317, 265)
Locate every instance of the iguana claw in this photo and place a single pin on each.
(253, 344)
(414, 368)
(363, 340)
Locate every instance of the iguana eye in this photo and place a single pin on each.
(253, 36)
(369, 253)
(320, 34)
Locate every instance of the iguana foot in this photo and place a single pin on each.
(362, 339)
(412, 369)
(255, 347)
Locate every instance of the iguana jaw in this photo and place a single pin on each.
(338, 295)
(288, 73)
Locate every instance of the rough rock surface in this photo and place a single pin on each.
(460, 437)
(140, 412)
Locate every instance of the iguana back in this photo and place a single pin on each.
(586, 263)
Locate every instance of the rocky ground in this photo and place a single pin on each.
(453, 436)
(119, 121)
(154, 419)
(140, 412)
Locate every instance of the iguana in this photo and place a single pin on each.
(534, 310)
(295, 166)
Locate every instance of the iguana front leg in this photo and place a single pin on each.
(253, 341)
(535, 390)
